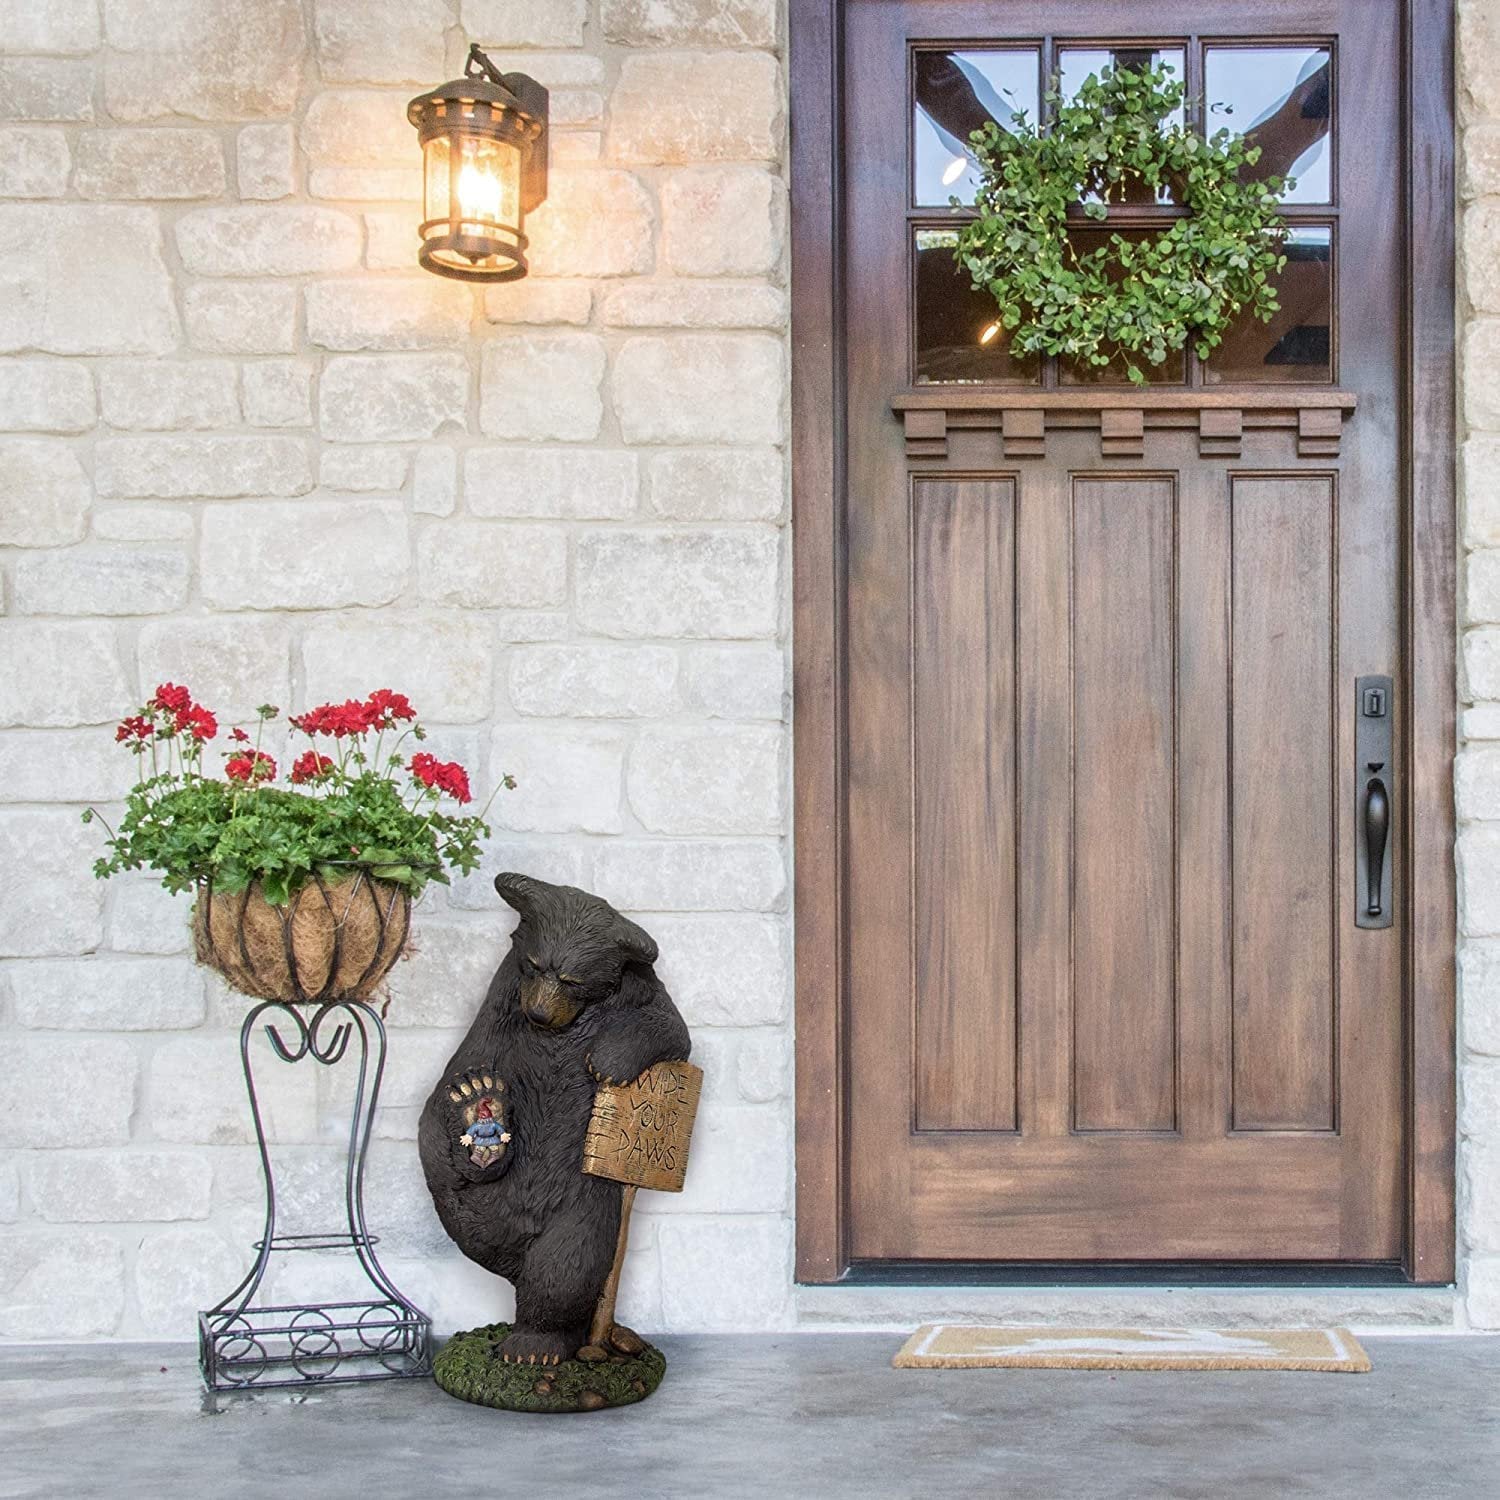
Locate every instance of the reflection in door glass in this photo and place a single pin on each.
(956, 93)
(958, 337)
(1281, 98)
(1296, 345)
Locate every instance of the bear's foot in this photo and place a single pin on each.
(470, 1367)
(477, 1107)
(522, 1347)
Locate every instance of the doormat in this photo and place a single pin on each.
(969, 1346)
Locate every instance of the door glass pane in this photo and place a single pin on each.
(958, 338)
(1282, 99)
(1075, 64)
(1296, 344)
(956, 93)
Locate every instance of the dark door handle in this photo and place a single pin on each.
(1377, 827)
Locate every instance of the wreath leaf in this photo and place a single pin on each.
(1123, 298)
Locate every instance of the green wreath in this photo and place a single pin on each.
(1131, 300)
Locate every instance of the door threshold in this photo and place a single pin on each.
(1220, 1275)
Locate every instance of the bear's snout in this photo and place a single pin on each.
(544, 1002)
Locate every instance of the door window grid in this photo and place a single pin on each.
(1302, 113)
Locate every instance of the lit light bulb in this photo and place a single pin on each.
(989, 333)
(954, 170)
(479, 194)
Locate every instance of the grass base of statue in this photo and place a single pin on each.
(570, 1092)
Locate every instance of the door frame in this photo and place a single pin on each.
(1428, 569)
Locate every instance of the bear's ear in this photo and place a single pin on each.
(518, 891)
(636, 943)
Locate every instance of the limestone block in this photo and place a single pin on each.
(45, 395)
(581, 483)
(719, 23)
(1480, 240)
(232, 665)
(703, 584)
(389, 312)
(699, 388)
(114, 164)
(46, 88)
(278, 392)
(241, 318)
(104, 1187)
(540, 386)
(1479, 880)
(546, 858)
(691, 875)
(1477, 778)
(268, 239)
(44, 493)
(35, 1111)
(707, 778)
(366, 398)
(1479, 986)
(764, 1066)
(744, 484)
(538, 302)
(697, 107)
(1481, 659)
(357, 128)
(195, 1093)
(206, 59)
(108, 994)
(60, 26)
(10, 1192)
(722, 221)
(678, 304)
(572, 147)
(102, 580)
(346, 657)
(60, 1288)
(56, 675)
(724, 970)
(1479, 1113)
(726, 1275)
(58, 908)
(391, 239)
(190, 467)
(595, 222)
(63, 765)
(265, 161)
(1479, 160)
(137, 522)
(178, 1273)
(1478, 57)
(34, 162)
(1479, 468)
(60, 304)
(593, 682)
(444, 975)
(741, 1164)
(381, 41)
(367, 470)
(163, 395)
(145, 918)
(1481, 373)
(486, 565)
(572, 779)
(538, 23)
(1479, 1196)
(1482, 1291)
(576, 107)
(311, 554)
(1482, 722)
(737, 682)
(434, 488)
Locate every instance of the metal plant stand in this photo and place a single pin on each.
(383, 1338)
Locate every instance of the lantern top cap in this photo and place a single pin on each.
(483, 83)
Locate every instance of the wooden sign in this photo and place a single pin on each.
(639, 1132)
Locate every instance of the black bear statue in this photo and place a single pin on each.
(574, 1003)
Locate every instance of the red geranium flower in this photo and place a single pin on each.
(337, 719)
(251, 765)
(174, 699)
(386, 707)
(198, 722)
(446, 776)
(239, 735)
(137, 727)
(310, 766)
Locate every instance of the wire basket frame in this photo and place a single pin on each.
(384, 1337)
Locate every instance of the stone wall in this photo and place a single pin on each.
(251, 447)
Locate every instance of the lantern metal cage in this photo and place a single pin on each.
(484, 168)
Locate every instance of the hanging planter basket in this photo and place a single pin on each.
(331, 941)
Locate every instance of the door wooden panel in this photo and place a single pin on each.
(1106, 997)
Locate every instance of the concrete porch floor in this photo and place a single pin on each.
(813, 1414)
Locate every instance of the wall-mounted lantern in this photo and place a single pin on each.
(484, 167)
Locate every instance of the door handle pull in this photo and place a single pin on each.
(1377, 828)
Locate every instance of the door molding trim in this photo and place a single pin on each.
(1429, 562)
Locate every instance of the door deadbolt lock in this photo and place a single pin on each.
(1373, 845)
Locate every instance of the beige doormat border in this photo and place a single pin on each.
(971, 1346)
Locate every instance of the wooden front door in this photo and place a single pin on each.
(1118, 986)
